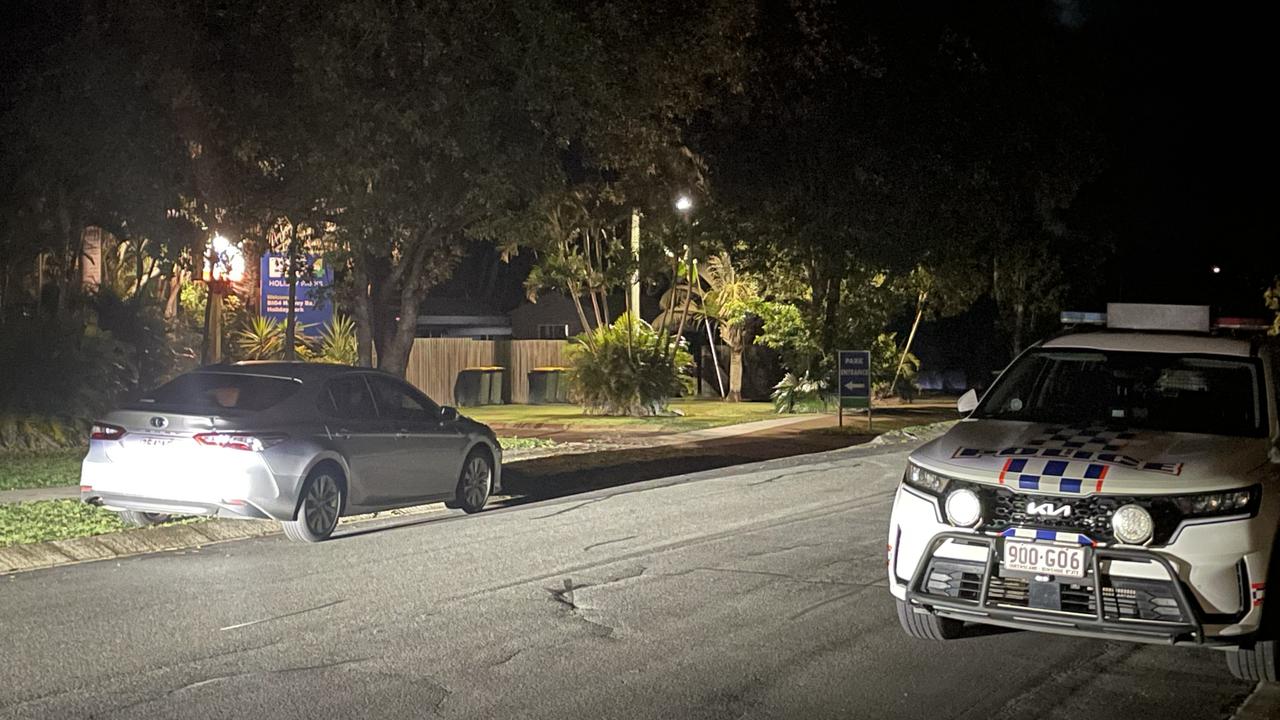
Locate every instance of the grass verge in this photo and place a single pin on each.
(43, 520)
(695, 415)
(519, 443)
(53, 468)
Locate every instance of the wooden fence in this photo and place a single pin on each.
(434, 364)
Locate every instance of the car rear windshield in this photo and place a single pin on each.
(1216, 395)
(207, 392)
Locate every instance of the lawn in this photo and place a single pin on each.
(40, 469)
(33, 522)
(696, 415)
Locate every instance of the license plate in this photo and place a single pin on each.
(155, 441)
(1044, 559)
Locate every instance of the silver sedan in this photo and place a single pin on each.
(300, 443)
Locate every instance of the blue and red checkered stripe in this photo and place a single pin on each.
(1050, 535)
(1053, 477)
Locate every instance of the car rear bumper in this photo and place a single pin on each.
(227, 483)
(118, 501)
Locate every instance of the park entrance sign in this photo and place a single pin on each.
(855, 381)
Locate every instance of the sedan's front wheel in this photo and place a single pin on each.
(319, 510)
(475, 484)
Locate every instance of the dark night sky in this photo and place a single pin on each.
(1190, 134)
(1193, 150)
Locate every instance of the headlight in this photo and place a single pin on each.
(1132, 524)
(920, 478)
(1231, 502)
(964, 508)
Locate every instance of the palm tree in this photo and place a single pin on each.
(728, 301)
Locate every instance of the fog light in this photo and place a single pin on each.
(964, 508)
(1132, 524)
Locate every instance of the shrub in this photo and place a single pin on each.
(885, 353)
(338, 341)
(262, 338)
(627, 368)
(57, 376)
(806, 392)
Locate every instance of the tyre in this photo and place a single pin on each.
(319, 508)
(1255, 664)
(927, 626)
(475, 483)
(137, 518)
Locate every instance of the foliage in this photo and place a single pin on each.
(627, 368)
(803, 391)
(786, 331)
(519, 443)
(59, 371)
(262, 338)
(55, 468)
(885, 356)
(1272, 299)
(44, 520)
(337, 341)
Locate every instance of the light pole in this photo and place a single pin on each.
(224, 266)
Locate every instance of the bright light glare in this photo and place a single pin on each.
(230, 261)
(1217, 269)
(684, 203)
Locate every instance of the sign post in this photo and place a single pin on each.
(855, 381)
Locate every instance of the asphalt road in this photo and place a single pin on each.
(755, 591)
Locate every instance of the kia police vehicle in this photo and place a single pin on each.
(1118, 481)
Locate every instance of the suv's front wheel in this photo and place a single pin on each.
(1257, 663)
(926, 625)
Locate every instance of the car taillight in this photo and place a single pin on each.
(103, 431)
(239, 441)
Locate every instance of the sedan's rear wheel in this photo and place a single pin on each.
(319, 509)
(137, 518)
(475, 484)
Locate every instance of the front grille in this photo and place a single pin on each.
(1122, 598)
(1090, 515)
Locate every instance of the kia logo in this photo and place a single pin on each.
(1048, 509)
(159, 422)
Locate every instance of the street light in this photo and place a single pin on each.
(223, 267)
(684, 203)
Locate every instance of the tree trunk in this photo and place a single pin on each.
(735, 373)
(906, 349)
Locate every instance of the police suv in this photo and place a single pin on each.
(1119, 481)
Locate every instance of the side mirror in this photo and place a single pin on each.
(448, 414)
(967, 402)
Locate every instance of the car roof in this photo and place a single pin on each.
(1155, 342)
(304, 371)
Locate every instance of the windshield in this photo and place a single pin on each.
(212, 392)
(1216, 395)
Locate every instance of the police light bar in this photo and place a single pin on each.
(1235, 323)
(1149, 316)
(1070, 317)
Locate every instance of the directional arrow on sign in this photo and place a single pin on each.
(851, 385)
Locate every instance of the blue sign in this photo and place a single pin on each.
(855, 378)
(310, 310)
